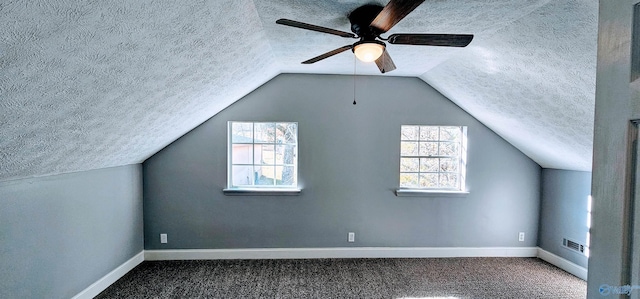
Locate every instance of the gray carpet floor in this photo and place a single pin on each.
(445, 278)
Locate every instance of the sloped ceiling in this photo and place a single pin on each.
(95, 84)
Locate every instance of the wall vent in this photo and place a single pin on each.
(572, 245)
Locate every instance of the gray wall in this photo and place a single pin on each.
(348, 169)
(59, 234)
(617, 102)
(564, 212)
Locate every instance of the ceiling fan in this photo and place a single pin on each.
(371, 20)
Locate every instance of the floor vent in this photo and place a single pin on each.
(571, 245)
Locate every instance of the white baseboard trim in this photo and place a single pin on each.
(104, 282)
(339, 252)
(336, 252)
(562, 263)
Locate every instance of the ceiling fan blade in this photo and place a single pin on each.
(447, 40)
(328, 54)
(314, 28)
(385, 63)
(393, 12)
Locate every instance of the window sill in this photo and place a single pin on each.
(430, 193)
(260, 192)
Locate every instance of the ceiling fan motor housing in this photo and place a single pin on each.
(361, 18)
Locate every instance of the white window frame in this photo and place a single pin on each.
(460, 190)
(253, 189)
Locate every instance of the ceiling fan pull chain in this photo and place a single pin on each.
(354, 80)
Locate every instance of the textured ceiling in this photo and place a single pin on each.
(94, 84)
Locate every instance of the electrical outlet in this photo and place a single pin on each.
(163, 238)
(521, 237)
(352, 237)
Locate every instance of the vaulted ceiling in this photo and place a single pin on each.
(95, 84)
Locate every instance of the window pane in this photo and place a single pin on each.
(241, 154)
(428, 180)
(409, 132)
(409, 164)
(448, 180)
(409, 180)
(242, 175)
(265, 154)
(449, 133)
(449, 164)
(286, 132)
(428, 164)
(428, 133)
(285, 175)
(241, 132)
(449, 149)
(265, 132)
(428, 148)
(265, 175)
(285, 154)
(408, 148)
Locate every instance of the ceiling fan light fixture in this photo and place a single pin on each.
(368, 51)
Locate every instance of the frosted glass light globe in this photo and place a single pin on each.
(368, 51)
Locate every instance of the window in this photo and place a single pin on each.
(263, 155)
(433, 158)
